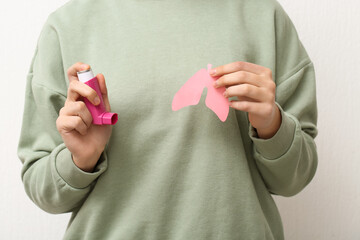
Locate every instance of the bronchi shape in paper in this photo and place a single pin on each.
(190, 94)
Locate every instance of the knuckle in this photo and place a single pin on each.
(68, 103)
(221, 81)
(241, 74)
(80, 105)
(272, 85)
(78, 122)
(88, 120)
(72, 85)
(58, 122)
(61, 112)
(268, 93)
(69, 70)
(83, 131)
(86, 111)
(245, 89)
(77, 65)
(268, 72)
(267, 109)
(239, 64)
(272, 96)
(245, 106)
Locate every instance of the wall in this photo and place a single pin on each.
(329, 208)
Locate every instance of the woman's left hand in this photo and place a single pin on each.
(255, 89)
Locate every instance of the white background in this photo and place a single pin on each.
(329, 208)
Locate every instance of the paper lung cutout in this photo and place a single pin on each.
(190, 94)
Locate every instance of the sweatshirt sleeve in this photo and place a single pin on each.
(51, 179)
(288, 160)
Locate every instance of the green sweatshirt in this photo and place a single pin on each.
(169, 174)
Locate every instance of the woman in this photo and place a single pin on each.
(158, 173)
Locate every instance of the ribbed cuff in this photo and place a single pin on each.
(280, 143)
(73, 175)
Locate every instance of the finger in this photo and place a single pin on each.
(240, 66)
(242, 98)
(78, 89)
(247, 106)
(104, 92)
(247, 90)
(239, 77)
(77, 108)
(66, 124)
(255, 108)
(76, 67)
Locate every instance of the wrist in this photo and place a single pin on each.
(269, 132)
(86, 163)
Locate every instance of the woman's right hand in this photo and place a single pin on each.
(86, 141)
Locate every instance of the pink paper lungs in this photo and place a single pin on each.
(190, 94)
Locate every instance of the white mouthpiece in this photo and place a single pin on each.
(85, 75)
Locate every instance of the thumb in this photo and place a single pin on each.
(103, 90)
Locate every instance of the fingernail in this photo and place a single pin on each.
(225, 94)
(216, 84)
(212, 71)
(84, 66)
(97, 100)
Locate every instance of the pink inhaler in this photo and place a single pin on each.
(99, 114)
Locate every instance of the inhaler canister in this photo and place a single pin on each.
(99, 114)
